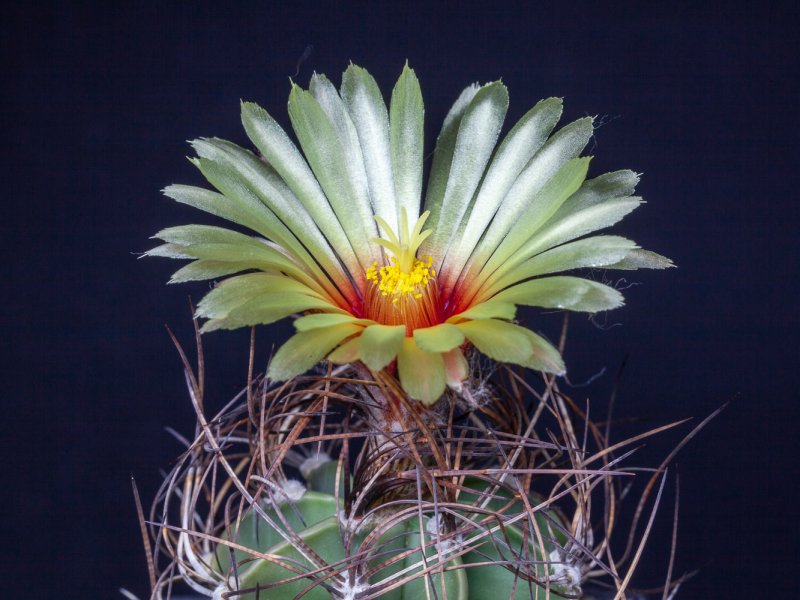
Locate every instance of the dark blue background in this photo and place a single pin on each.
(97, 103)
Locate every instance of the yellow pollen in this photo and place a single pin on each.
(394, 282)
(402, 291)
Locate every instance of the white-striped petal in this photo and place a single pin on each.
(516, 151)
(331, 147)
(279, 151)
(368, 113)
(478, 131)
(406, 136)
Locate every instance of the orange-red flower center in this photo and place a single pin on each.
(398, 296)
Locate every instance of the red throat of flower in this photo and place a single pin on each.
(394, 298)
(404, 291)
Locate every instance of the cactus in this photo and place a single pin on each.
(414, 461)
(390, 551)
(311, 489)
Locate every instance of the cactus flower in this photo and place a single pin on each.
(344, 238)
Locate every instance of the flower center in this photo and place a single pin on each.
(394, 282)
(404, 291)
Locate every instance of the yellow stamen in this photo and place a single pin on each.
(394, 281)
(400, 292)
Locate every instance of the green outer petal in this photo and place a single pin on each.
(545, 357)
(562, 185)
(236, 291)
(506, 342)
(445, 148)
(263, 220)
(478, 131)
(455, 367)
(266, 309)
(276, 147)
(439, 338)
(268, 186)
(597, 252)
(564, 292)
(346, 353)
(366, 108)
(335, 162)
(406, 136)
(528, 190)
(486, 310)
(304, 350)
(421, 373)
(316, 321)
(513, 154)
(379, 344)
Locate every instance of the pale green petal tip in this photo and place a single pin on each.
(422, 374)
(643, 259)
(439, 338)
(305, 349)
(346, 353)
(510, 343)
(378, 345)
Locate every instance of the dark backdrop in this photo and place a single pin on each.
(98, 103)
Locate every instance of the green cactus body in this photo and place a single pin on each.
(508, 544)
(315, 546)
(313, 520)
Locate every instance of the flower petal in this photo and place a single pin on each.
(406, 136)
(421, 373)
(617, 184)
(367, 110)
(266, 309)
(455, 367)
(540, 208)
(346, 353)
(319, 320)
(236, 291)
(446, 145)
(335, 159)
(477, 134)
(279, 151)
(564, 292)
(266, 184)
(305, 349)
(439, 338)
(253, 215)
(223, 245)
(642, 259)
(529, 191)
(575, 225)
(506, 342)
(486, 310)
(601, 251)
(268, 224)
(200, 270)
(516, 151)
(545, 357)
(379, 345)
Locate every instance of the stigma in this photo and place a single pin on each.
(402, 291)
